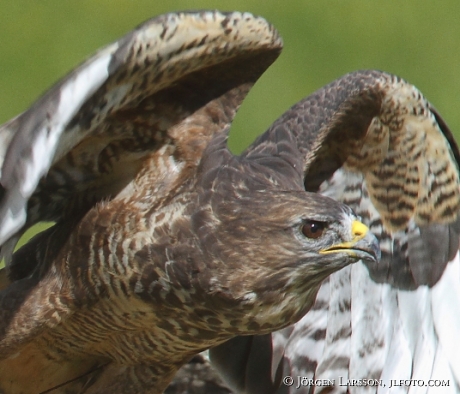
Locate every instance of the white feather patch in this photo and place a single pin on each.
(445, 297)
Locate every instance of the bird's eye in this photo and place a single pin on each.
(313, 229)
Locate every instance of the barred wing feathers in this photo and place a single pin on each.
(372, 141)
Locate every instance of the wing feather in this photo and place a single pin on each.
(401, 175)
(445, 301)
(372, 141)
(175, 80)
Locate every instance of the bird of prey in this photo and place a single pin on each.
(165, 244)
(372, 141)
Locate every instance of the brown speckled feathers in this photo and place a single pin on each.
(157, 253)
(140, 112)
(166, 244)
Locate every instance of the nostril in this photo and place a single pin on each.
(358, 229)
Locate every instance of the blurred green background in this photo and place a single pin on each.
(41, 40)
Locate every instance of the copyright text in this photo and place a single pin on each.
(302, 381)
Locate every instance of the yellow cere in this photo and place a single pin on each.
(358, 230)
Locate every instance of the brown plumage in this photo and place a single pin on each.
(165, 244)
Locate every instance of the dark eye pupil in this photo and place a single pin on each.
(313, 229)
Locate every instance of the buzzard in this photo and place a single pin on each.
(164, 244)
(127, 154)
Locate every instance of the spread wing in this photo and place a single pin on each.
(142, 109)
(372, 141)
(173, 82)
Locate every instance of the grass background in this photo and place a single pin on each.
(41, 40)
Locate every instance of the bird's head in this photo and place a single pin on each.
(274, 249)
